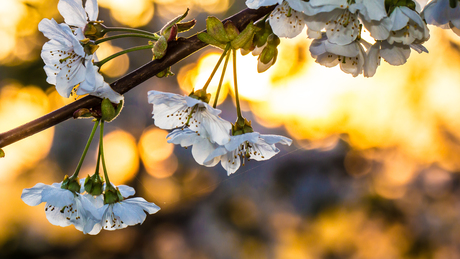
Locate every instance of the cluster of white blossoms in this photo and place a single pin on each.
(89, 213)
(69, 56)
(395, 26)
(195, 123)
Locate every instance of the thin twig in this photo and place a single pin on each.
(177, 50)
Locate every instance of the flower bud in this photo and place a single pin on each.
(159, 48)
(94, 30)
(185, 26)
(173, 33)
(2, 153)
(260, 38)
(165, 31)
(232, 31)
(110, 111)
(107, 110)
(246, 35)
(208, 39)
(216, 29)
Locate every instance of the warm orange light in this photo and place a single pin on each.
(121, 156)
(115, 67)
(133, 13)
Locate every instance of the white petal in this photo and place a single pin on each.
(373, 60)
(201, 149)
(395, 54)
(92, 9)
(33, 196)
(255, 4)
(284, 26)
(230, 162)
(73, 12)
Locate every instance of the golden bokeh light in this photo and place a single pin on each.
(19, 105)
(164, 192)
(121, 156)
(156, 153)
(133, 13)
(115, 67)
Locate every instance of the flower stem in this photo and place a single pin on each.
(77, 170)
(221, 80)
(101, 150)
(138, 35)
(216, 67)
(105, 60)
(111, 29)
(238, 109)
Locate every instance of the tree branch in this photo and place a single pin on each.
(177, 50)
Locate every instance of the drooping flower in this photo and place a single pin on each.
(351, 57)
(124, 212)
(248, 145)
(440, 13)
(63, 207)
(171, 111)
(395, 54)
(407, 27)
(342, 19)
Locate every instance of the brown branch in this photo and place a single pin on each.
(177, 51)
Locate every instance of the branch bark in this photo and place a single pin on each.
(177, 51)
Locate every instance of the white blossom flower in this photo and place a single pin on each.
(351, 57)
(63, 207)
(64, 56)
(201, 146)
(127, 212)
(286, 22)
(75, 15)
(256, 4)
(171, 111)
(341, 20)
(407, 27)
(395, 54)
(439, 13)
(249, 145)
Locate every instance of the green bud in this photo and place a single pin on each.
(2, 153)
(273, 40)
(88, 184)
(89, 46)
(159, 48)
(241, 126)
(166, 30)
(94, 30)
(216, 29)
(246, 35)
(208, 39)
(165, 73)
(232, 31)
(268, 53)
(260, 38)
(185, 26)
(107, 110)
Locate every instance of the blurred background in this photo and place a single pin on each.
(372, 173)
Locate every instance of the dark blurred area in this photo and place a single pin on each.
(372, 173)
